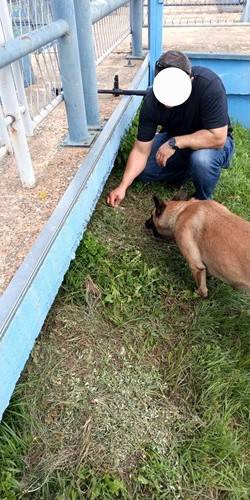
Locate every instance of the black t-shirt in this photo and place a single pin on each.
(206, 108)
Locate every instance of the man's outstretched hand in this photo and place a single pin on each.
(116, 196)
(163, 154)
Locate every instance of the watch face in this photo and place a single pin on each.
(172, 143)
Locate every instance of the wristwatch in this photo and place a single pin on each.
(172, 143)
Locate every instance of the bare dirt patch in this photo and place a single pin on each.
(219, 39)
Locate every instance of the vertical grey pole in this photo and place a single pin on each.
(246, 12)
(136, 6)
(71, 75)
(87, 60)
(131, 18)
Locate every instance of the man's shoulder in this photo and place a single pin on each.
(205, 74)
(206, 78)
(150, 103)
(149, 97)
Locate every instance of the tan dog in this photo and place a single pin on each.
(209, 236)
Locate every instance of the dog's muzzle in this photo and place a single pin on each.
(150, 225)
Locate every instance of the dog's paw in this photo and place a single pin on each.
(202, 292)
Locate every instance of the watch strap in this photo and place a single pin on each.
(172, 143)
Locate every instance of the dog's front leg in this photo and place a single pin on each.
(199, 275)
(190, 251)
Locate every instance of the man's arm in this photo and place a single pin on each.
(135, 165)
(202, 139)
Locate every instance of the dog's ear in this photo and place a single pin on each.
(156, 201)
(159, 205)
(181, 195)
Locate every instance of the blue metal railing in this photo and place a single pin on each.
(72, 29)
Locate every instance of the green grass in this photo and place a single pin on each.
(14, 442)
(136, 387)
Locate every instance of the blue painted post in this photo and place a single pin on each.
(136, 7)
(155, 23)
(20, 26)
(71, 75)
(28, 73)
(87, 61)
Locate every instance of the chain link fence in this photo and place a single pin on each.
(200, 12)
(111, 31)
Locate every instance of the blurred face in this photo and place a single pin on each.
(172, 86)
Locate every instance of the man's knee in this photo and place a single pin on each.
(203, 162)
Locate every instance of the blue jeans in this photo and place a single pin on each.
(203, 167)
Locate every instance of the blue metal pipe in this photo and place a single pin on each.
(71, 75)
(19, 47)
(101, 8)
(136, 17)
(87, 60)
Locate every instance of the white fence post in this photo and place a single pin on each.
(16, 129)
(4, 132)
(16, 69)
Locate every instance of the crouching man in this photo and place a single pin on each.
(195, 140)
